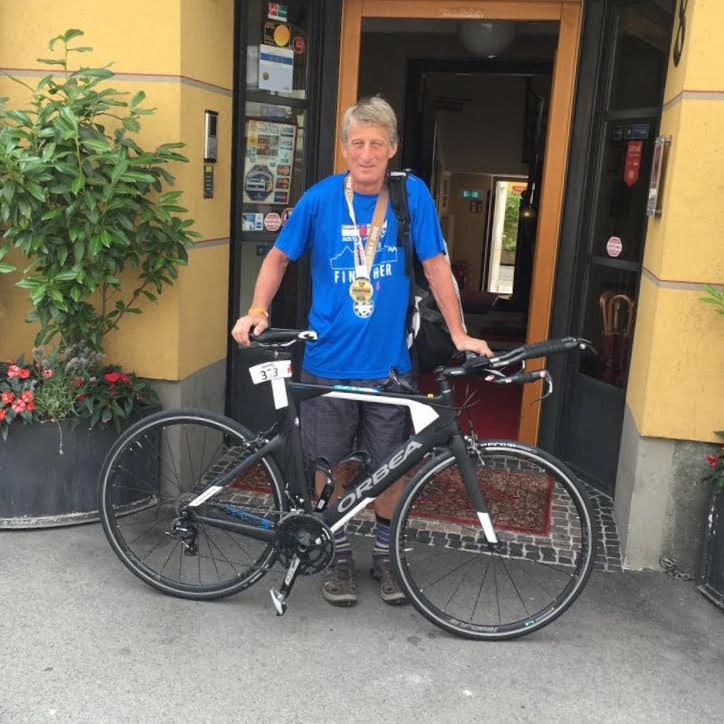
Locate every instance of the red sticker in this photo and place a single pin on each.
(272, 221)
(632, 164)
(298, 44)
(614, 246)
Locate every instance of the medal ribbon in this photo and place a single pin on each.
(364, 256)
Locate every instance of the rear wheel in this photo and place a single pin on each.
(543, 559)
(152, 472)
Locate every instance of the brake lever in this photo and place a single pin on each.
(547, 387)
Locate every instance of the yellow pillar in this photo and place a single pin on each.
(181, 54)
(676, 385)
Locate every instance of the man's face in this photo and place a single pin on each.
(367, 150)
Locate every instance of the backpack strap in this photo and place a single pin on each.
(397, 183)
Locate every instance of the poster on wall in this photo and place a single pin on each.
(269, 159)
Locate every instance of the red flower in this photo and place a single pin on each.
(24, 373)
(2, 415)
(13, 371)
(712, 460)
(30, 406)
(27, 396)
(113, 377)
(77, 382)
(6, 398)
(80, 397)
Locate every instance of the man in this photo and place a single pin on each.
(359, 304)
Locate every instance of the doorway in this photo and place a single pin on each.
(443, 27)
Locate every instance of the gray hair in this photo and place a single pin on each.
(371, 111)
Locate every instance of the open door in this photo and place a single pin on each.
(567, 15)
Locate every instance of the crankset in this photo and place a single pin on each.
(305, 545)
(307, 537)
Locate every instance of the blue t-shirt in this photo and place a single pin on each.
(355, 343)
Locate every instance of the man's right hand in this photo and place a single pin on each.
(255, 320)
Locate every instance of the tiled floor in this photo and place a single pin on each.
(608, 553)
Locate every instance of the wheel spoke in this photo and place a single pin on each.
(545, 551)
(155, 469)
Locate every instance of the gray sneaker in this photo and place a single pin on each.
(340, 583)
(390, 591)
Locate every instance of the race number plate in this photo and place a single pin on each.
(268, 371)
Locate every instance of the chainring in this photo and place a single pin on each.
(309, 538)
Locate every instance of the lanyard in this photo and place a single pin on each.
(364, 255)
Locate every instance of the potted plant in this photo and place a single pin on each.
(89, 210)
(711, 575)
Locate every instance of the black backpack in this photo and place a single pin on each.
(428, 337)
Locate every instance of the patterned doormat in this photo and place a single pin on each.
(517, 500)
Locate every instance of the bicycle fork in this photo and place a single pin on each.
(457, 445)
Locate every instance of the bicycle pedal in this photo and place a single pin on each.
(279, 601)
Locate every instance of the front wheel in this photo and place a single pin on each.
(150, 475)
(540, 565)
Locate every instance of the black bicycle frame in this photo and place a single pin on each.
(443, 430)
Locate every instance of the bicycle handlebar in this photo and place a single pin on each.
(488, 367)
(528, 351)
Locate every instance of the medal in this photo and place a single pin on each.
(361, 290)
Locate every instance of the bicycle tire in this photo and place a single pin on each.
(158, 465)
(547, 540)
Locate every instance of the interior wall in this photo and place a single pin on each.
(469, 226)
(486, 135)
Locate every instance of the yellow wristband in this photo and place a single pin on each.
(259, 310)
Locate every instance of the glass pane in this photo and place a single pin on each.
(277, 49)
(640, 62)
(621, 203)
(273, 176)
(608, 322)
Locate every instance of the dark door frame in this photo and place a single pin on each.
(323, 41)
(583, 182)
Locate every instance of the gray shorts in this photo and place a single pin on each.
(333, 428)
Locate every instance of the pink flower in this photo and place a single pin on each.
(6, 398)
(27, 396)
(19, 405)
(13, 371)
(47, 373)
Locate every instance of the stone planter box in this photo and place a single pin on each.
(711, 577)
(49, 473)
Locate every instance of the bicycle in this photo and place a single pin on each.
(196, 505)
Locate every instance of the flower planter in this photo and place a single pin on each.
(711, 578)
(49, 473)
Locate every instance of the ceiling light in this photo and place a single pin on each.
(485, 39)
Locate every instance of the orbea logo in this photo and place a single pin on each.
(346, 502)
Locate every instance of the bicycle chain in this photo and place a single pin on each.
(671, 566)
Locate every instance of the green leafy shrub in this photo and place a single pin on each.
(85, 203)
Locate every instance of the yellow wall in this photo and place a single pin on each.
(180, 53)
(676, 383)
